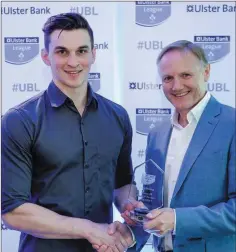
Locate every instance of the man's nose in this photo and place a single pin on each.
(73, 60)
(177, 84)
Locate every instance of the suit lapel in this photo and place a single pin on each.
(163, 142)
(203, 131)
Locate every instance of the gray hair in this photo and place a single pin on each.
(185, 45)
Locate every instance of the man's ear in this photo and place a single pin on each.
(207, 70)
(93, 55)
(45, 58)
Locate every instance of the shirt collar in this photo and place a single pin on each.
(92, 97)
(195, 113)
(57, 97)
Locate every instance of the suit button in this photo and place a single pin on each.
(86, 166)
(86, 142)
(87, 212)
(87, 190)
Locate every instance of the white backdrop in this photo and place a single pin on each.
(128, 37)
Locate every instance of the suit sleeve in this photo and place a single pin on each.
(141, 238)
(219, 219)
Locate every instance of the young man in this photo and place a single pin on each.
(196, 148)
(65, 152)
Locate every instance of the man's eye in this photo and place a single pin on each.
(167, 79)
(62, 52)
(186, 76)
(82, 51)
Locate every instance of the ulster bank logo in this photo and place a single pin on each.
(144, 86)
(148, 118)
(215, 47)
(20, 50)
(152, 13)
(94, 80)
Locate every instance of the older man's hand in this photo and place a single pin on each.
(160, 220)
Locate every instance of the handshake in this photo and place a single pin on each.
(114, 237)
(117, 237)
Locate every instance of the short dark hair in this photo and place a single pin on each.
(66, 21)
(185, 45)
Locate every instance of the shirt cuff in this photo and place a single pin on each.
(133, 237)
(174, 231)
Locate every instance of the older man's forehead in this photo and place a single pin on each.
(175, 57)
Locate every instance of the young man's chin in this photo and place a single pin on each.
(74, 83)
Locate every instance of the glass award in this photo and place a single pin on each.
(147, 187)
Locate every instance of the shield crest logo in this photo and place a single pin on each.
(148, 179)
(151, 13)
(20, 50)
(94, 80)
(215, 47)
(147, 118)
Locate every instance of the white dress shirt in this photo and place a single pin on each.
(178, 145)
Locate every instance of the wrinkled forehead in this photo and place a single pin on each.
(178, 60)
(72, 39)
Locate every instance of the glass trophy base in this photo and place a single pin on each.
(138, 215)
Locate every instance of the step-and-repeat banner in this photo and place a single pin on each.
(128, 37)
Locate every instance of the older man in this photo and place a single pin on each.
(197, 151)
